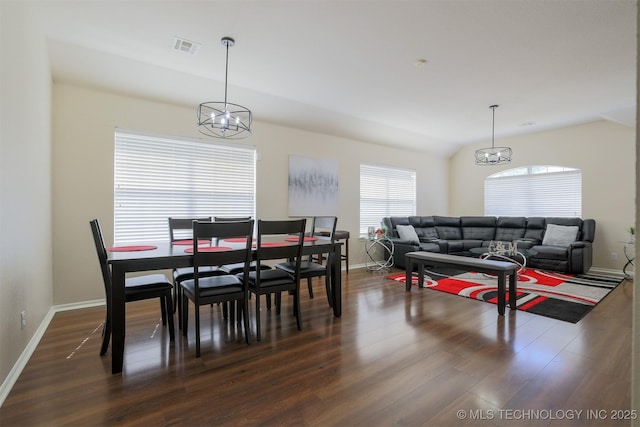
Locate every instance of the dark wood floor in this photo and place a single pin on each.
(393, 358)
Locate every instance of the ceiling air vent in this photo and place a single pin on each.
(183, 45)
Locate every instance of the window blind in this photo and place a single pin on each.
(385, 191)
(158, 177)
(556, 194)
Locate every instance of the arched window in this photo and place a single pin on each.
(534, 191)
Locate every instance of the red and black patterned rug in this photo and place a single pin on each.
(560, 296)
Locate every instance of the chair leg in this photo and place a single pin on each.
(106, 333)
(178, 304)
(225, 311)
(176, 290)
(197, 318)
(268, 296)
(245, 317)
(170, 304)
(234, 311)
(185, 314)
(163, 309)
(310, 287)
(296, 305)
(278, 299)
(258, 317)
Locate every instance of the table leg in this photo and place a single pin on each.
(335, 258)
(117, 319)
(502, 282)
(513, 279)
(408, 274)
(421, 275)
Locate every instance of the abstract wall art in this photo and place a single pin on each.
(313, 187)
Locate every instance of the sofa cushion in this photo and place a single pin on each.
(427, 234)
(478, 227)
(560, 235)
(535, 229)
(510, 228)
(421, 221)
(550, 252)
(395, 221)
(425, 227)
(448, 227)
(407, 232)
(430, 247)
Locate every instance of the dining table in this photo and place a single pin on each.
(164, 255)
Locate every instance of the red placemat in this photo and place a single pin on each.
(132, 248)
(189, 242)
(237, 240)
(306, 239)
(209, 249)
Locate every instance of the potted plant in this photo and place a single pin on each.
(632, 234)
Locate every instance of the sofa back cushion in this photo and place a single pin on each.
(393, 222)
(425, 227)
(511, 228)
(448, 227)
(478, 227)
(535, 228)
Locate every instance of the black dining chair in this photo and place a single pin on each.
(180, 231)
(270, 246)
(136, 289)
(237, 268)
(322, 227)
(223, 288)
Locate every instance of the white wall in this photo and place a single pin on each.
(84, 121)
(603, 150)
(25, 181)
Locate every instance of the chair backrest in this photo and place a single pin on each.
(239, 253)
(102, 256)
(324, 227)
(231, 219)
(270, 244)
(183, 226)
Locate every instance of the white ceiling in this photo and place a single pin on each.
(347, 67)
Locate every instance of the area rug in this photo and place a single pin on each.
(560, 296)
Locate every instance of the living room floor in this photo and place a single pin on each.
(393, 358)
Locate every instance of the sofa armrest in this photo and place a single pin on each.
(443, 244)
(526, 243)
(400, 248)
(399, 241)
(580, 257)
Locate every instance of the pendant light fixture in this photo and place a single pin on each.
(224, 119)
(494, 155)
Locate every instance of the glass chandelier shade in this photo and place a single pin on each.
(493, 155)
(222, 119)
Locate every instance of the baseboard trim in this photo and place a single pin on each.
(22, 361)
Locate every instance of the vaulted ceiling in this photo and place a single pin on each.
(414, 74)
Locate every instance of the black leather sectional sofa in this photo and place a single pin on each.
(558, 251)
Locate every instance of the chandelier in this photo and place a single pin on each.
(494, 155)
(224, 119)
